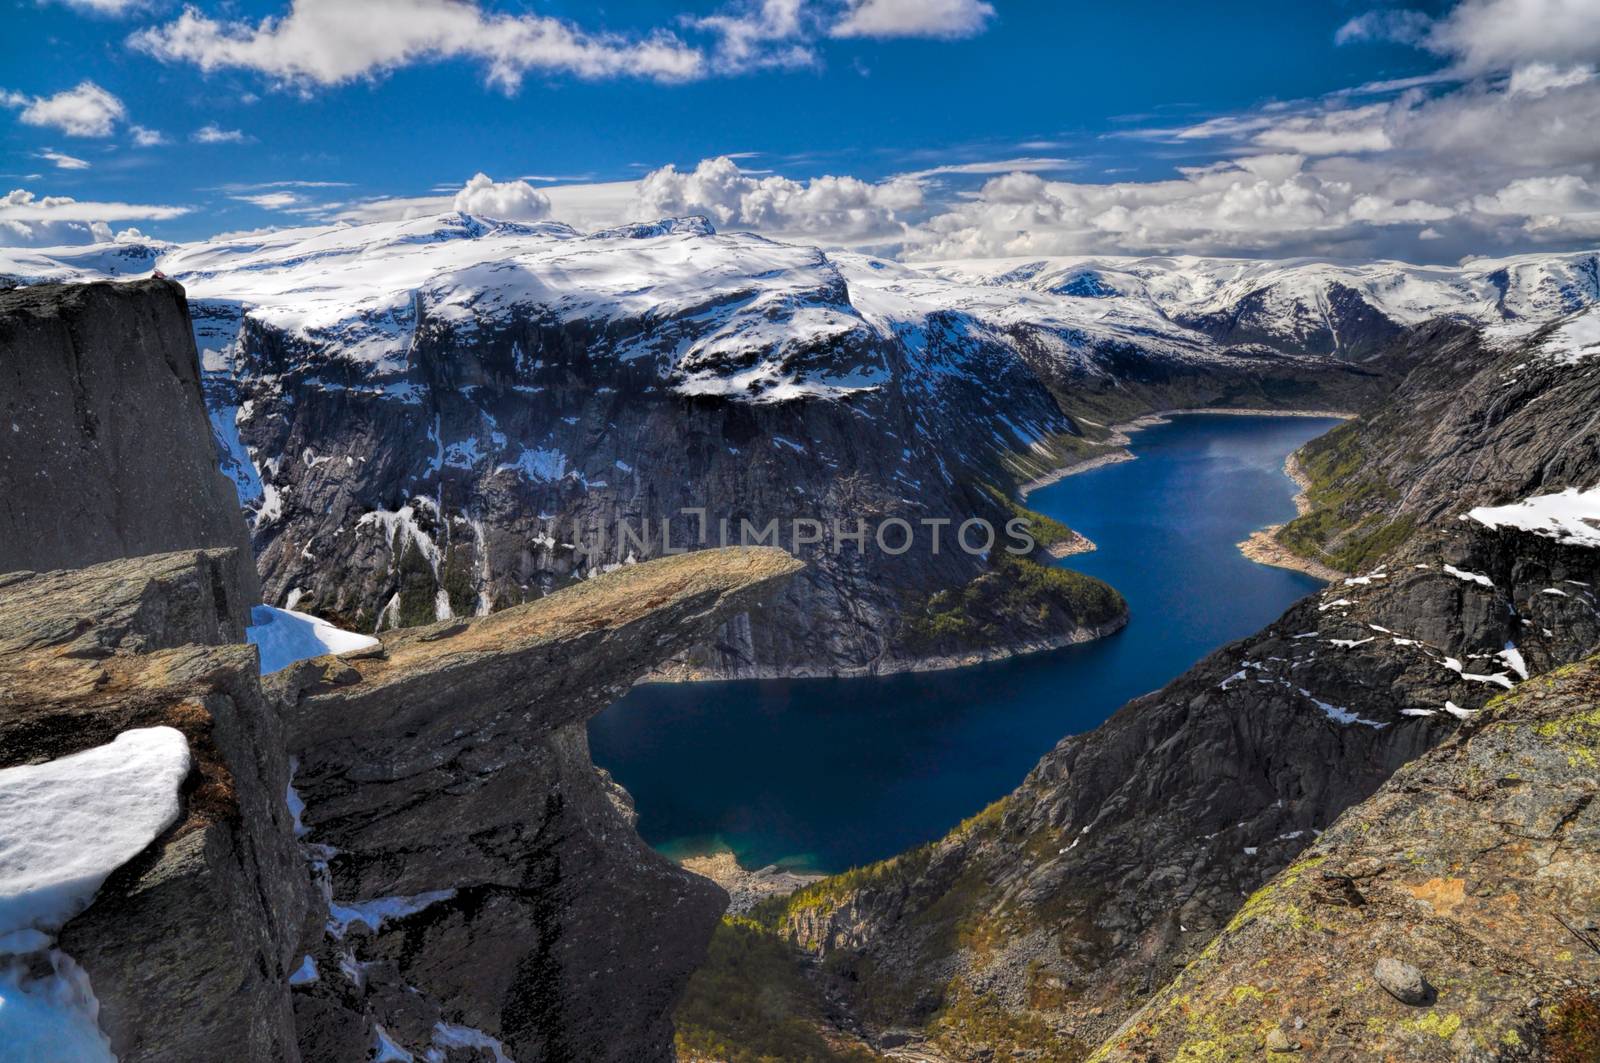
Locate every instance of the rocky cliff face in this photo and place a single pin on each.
(479, 872)
(436, 866)
(1451, 916)
(104, 444)
(188, 946)
(1047, 920)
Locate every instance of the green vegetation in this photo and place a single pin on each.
(1046, 531)
(458, 579)
(1015, 599)
(970, 1018)
(752, 1003)
(1350, 524)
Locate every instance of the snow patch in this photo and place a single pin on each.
(64, 826)
(1471, 577)
(1571, 516)
(284, 636)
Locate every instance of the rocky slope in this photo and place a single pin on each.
(1482, 419)
(1451, 916)
(104, 448)
(1046, 921)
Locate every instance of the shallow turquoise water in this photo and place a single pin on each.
(829, 773)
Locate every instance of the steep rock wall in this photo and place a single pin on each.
(105, 447)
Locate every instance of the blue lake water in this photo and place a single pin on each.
(825, 774)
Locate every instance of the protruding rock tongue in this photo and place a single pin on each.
(455, 766)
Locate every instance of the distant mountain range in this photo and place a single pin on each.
(412, 411)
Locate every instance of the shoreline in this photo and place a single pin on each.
(900, 666)
(1264, 548)
(1122, 431)
(747, 887)
(1260, 548)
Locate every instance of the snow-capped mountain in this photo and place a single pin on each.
(1307, 305)
(417, 412)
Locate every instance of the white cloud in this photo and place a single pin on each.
(63, 161)
(34, 221)
(759, 33)
(1536, 79)
(1491, 36)
(1027, 164)
(107, 7)
(1406, 27)
(1487, 166)
(502, 201)
(270, 200)
(211, 133)
(84, 111)
(147, 138)
(914, 18)
(330, 42)
(824, 208)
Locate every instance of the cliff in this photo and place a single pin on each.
(188, 945)
(105, 446)
(1451, 916)
(479, 870)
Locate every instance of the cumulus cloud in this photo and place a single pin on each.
(147, 138)
(502, 200)
(330, 42)
(86, 110)
(28, 220)
(914, 18)
(827, 208)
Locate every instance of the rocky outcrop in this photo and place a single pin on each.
(189, 945)
(1451, 916)
(105, 448)
(480, 874)
(448, 873)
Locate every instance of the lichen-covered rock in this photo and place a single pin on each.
(1479, 862)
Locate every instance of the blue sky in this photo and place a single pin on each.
(1083, 98)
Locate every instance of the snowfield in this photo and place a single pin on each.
(1572, 516)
